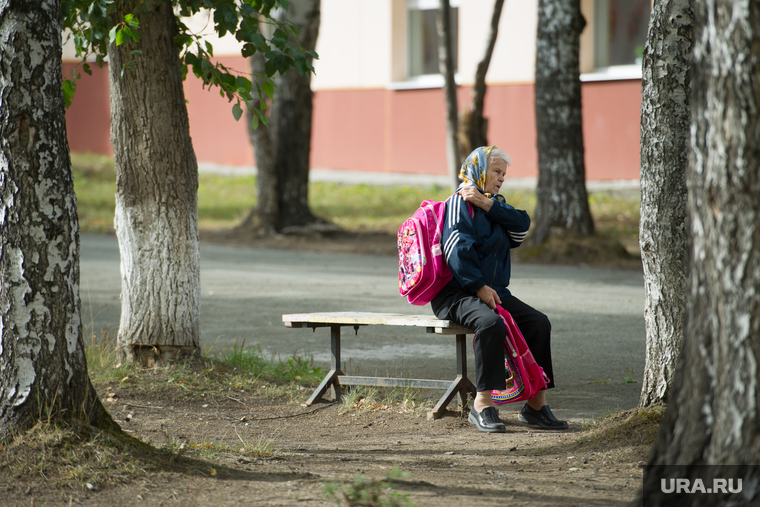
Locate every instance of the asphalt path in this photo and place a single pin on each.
(598, 335)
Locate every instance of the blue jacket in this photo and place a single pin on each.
(477, 248)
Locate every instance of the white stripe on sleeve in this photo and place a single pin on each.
(450, 243)
(518, 236)
(454, 209)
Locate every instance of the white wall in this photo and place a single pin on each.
(514, 55)
(354, 44)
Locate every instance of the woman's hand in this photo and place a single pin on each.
(488, 296)
(472, 195)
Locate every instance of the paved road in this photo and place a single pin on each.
(596, 313)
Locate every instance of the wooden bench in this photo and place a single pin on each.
(336, 378)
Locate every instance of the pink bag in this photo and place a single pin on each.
(524, 376)
(422, 269)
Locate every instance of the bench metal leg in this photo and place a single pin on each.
(461, 384)
(330, 381)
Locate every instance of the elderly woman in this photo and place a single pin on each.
(477, 252)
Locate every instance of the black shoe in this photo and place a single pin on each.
(487, 420)
(543, 418)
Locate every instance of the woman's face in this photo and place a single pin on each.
(495, 173)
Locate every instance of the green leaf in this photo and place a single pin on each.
(254, 122)
(69, 87)
(129, 17)
(228, 81)
(112, 34)
(131, 34)
(120, 37)
(237, 111)
(267, 87)
(300, 64)
(248, 50)
(262, 118)
(191, 59)
(270, 68)
(244, 83)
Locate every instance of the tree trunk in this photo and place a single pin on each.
(446, 66)
(562, 202)
(265, 216)
(283, 148)
(43, 370)
(156, 218)
(476, 131)
(712, 418)
(665, 123)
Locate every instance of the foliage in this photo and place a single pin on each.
(93, 25)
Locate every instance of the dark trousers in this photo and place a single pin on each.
(488, 345)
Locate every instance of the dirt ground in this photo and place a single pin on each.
(245, 447)
(242, 448)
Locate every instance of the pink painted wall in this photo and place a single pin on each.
(611, 129)
(88, 119)
(389, 130)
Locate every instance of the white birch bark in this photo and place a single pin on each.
(713, 417)
(42, 363)
(665, 123)
(156, 218)
(562, 202)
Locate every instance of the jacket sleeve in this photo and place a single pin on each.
(515, 221)
(459, 245)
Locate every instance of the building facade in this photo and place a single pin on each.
(378, 101)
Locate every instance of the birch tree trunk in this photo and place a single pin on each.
(712, 418)
(282, 149)
(665, 123)
(562, 202)
(43, 370)
(476, 131)
(156, 218)
(446, 66)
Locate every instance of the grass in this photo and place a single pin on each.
(230, 368)
(370, 493)
(224, 201)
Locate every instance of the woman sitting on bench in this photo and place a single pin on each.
(477, 252)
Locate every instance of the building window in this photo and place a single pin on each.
(620, 31)
(422, 56)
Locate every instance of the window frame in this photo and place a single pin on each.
(422, 81)
(610, 72)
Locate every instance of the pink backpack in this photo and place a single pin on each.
(524, 376)
(422, 269)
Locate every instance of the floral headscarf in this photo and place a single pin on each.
(473, 171)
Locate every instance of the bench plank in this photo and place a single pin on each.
(369, 319)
